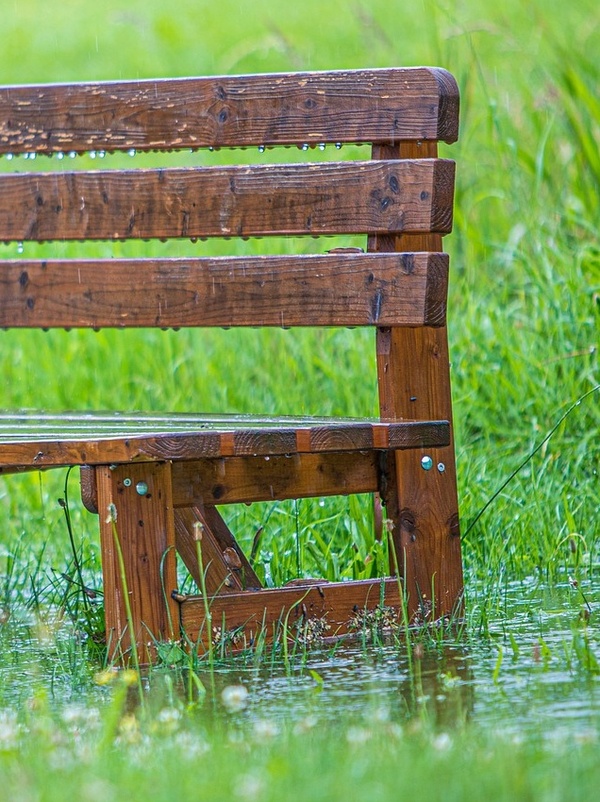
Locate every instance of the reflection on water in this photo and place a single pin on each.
(533, 669)
(362, 680)
(527, 663)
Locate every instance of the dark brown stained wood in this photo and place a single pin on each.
(246, 479)
(143, 525)
(155, 479)
(414, 380)
(88, 487)
(345, 106)
(257, 200)
(23, 440)
(340, 606)
(338, 289)
(224, 564)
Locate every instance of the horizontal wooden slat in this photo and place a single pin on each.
(257, 200)
(347, 106)
(247, 479)
(41, 440)
(338, 289)
(340, 605)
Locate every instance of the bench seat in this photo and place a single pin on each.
(35, 440)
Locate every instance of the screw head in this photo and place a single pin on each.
(426, 463)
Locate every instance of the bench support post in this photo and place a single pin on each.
(137, 536)
(414, 383)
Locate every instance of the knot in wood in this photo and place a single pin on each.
(408, 522)
(232, 559)
(454, 525)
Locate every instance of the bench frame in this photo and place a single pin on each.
(156, 495)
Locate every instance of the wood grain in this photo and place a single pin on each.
(22, 443)
(224, 564)
(234, 480)
(338, 289)
(414, 380)
(143, 525)
(278, 611)
(344, 106)
(234, 201)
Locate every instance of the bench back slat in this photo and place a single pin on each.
(238, 201)
(337, 289)
(381, 198)
(388, 105)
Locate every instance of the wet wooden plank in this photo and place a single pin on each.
(223, 563)
(220, 437)
(142, 525)
(312, 107)
(414, 381)
(339, 606)
(247, 479)
(338, 289)
(239, 201)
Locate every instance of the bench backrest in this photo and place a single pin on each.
(381, 197)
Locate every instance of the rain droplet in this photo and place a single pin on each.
(101, 154)
(60, 155)
(304, 146)
(10, 156)
(261, 148)
(131, 152)
(72, 154)
(321, 146)
(19, 247)
(92, 154)
(338, 145)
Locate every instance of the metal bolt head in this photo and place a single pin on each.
(426, 463)
(141, 488)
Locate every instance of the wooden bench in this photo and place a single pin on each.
(157, 480)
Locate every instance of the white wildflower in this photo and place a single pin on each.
(235, 697)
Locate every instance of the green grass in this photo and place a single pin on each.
(523, 320)
(172, 755)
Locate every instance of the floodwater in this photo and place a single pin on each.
(533, 667)
(527, 662)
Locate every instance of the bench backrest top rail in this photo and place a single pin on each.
(379, 106)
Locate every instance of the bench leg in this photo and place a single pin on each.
(414, 384)
(422, 504)
(137, 536)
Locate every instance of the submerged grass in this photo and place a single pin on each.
(523, 317)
